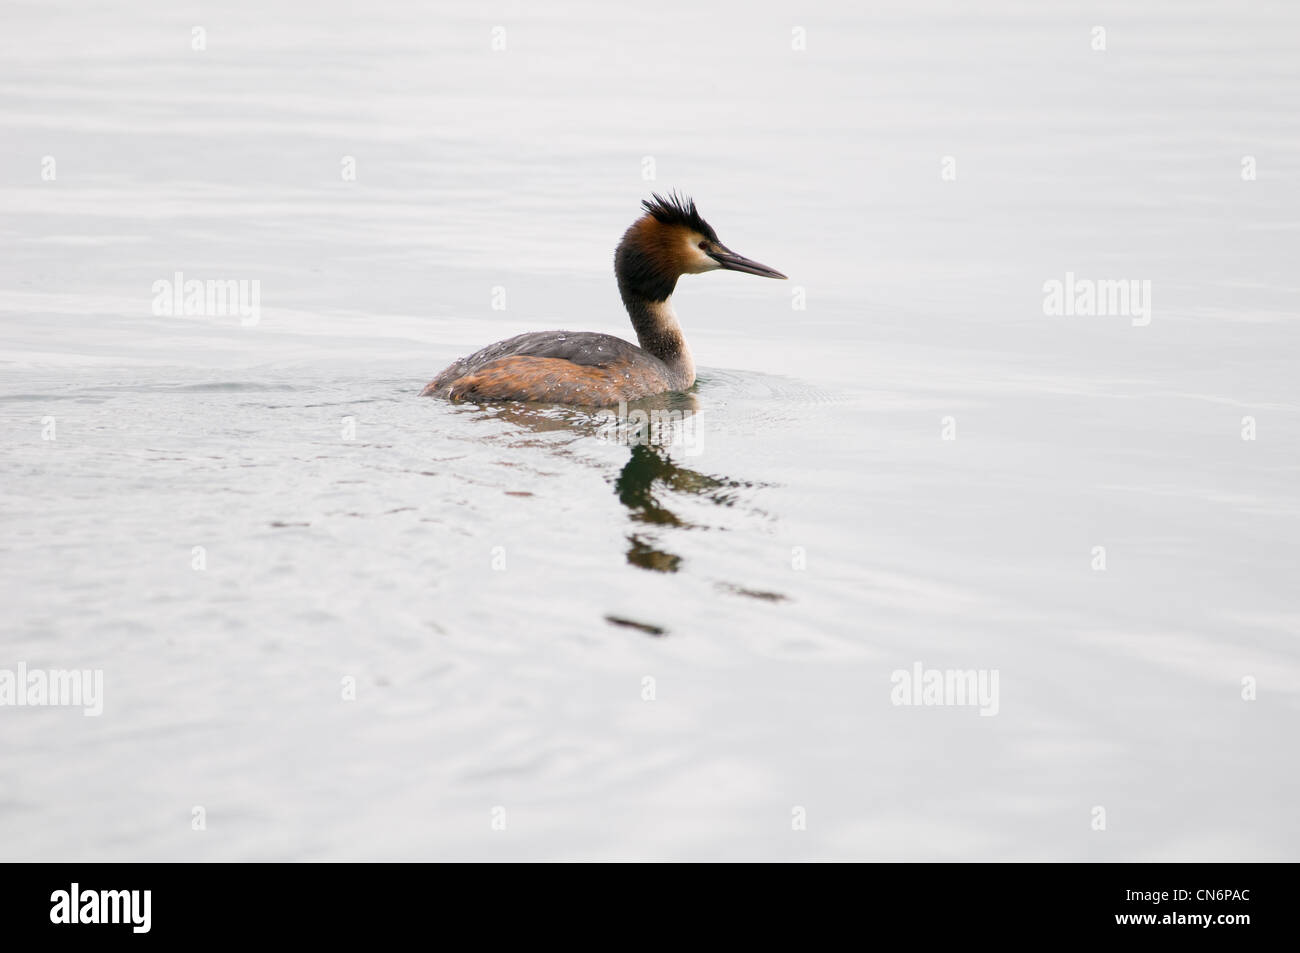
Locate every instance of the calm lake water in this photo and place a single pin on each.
(343, 622)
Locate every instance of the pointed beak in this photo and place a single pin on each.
(729, 260)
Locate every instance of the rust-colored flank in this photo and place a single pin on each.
(553, 380)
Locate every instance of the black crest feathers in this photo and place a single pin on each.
(678, 210)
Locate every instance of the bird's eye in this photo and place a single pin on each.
(704, 246)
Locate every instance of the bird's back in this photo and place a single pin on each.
(566, 367)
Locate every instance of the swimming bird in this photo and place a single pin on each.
(586, 369)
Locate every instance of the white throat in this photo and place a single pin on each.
(666, 326)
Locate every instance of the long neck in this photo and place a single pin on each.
(647, 292)
(658, 332)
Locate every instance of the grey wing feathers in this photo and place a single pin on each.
(581, 347)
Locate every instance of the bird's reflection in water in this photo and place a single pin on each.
(649, 480)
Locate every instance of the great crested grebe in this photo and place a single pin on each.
(586, 369)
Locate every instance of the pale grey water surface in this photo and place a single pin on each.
(463, 563)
